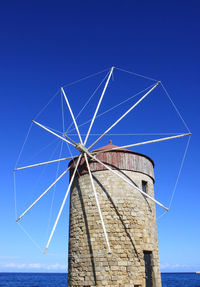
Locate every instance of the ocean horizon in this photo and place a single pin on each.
(44, 279)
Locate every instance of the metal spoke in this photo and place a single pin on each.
(66, 136)
(97, 108)
(43, 194)
(131, 108)
(146, 142)
(72, 115)
(98, 205)
(87, 103)
(43, 163)
(126, 180)
(63, 203)
(45, 128)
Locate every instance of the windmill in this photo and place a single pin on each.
(89, 158)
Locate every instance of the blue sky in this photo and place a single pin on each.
(48, 44)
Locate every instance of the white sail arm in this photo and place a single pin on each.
(63, 203)
(97, 108)
(65, 135)
(146, 142)
(42, 194)
(45, 162)
(72, 115)
(98, 205)
(126, 180)
(128, 111)
(45, 128)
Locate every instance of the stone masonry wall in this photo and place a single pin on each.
(130, 222)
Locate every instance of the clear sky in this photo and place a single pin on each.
(48, 44)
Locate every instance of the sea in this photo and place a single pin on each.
(60, 280)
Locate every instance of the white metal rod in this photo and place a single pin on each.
(65, 135)
(87, 102)
(53, 133)
(63, 203)
(72, 115)
(45, 162)
(126, 180)
(142, 98)
(146, 142)
(43, 194)
(98, 205)
(97, 108)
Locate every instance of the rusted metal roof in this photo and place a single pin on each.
(111, 145)
(122, 159)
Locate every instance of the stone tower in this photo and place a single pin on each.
(129, 218)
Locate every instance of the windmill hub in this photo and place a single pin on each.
(80, 147)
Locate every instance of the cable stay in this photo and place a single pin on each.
(178, 177)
